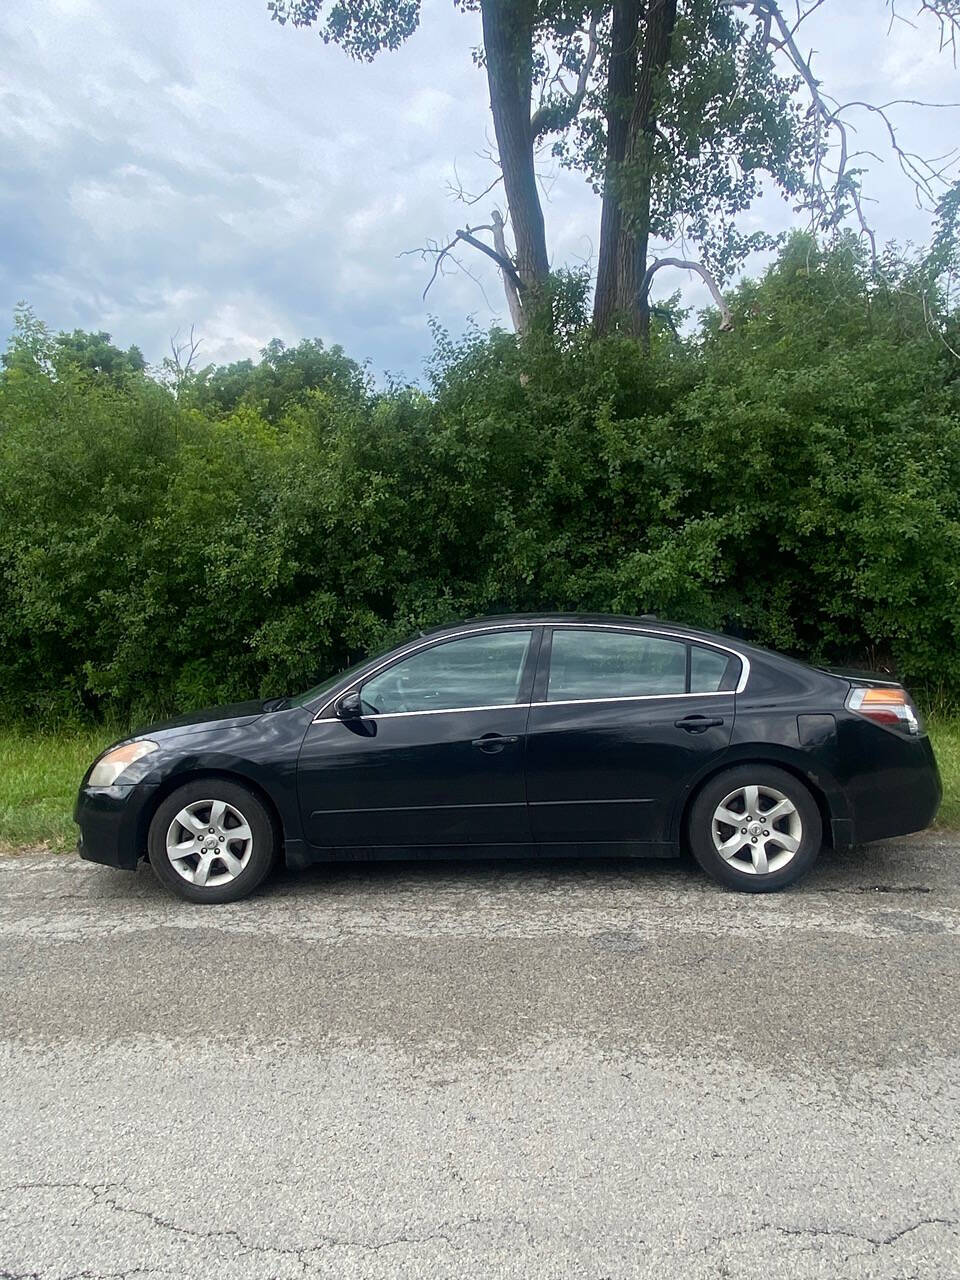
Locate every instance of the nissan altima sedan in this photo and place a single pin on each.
(547, 734)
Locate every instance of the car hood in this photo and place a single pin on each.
(209, 718)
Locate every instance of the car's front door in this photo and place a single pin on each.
(436, 756)
(620, 721)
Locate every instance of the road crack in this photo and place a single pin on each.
(104, 1196)
(878, 1242)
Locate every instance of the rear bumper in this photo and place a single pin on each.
(898, 793)
(111, 822)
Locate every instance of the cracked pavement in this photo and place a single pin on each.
(544, 1069)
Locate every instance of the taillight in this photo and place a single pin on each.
(890, 707)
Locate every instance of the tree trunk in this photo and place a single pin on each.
(621, 86)
(658, 29)
(508, 47)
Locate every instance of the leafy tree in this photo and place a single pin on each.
(675, 110)
(30, 345)
(280, 379)
(95, 354)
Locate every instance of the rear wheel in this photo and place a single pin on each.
(211, 841)
(756, 828)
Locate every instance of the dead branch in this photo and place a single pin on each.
(179, 363)
(687, 264)
(921, 172)
(503, 262)
(831, 187)
(441, 254)
(459, 191)
(947, 14)
(546, 117)
(189, 347)
(513, 293)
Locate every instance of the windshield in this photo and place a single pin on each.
(318, 690)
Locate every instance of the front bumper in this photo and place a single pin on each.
(113, 823)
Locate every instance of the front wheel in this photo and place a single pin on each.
(755, 828)
(211, 841)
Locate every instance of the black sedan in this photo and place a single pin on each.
(546, 734)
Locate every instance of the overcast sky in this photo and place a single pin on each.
(177, 163)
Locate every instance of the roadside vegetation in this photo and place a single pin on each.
(245, 530)
(39, 777)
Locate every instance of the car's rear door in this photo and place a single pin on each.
(620, 721)
(436, 759)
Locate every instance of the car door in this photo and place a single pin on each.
(435, 757)
(621, 719)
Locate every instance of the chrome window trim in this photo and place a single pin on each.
(445, 711)
(668, 635)
(531, 626)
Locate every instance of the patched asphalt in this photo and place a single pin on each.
(555, 1069)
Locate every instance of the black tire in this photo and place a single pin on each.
(243, 802)
(733, 871)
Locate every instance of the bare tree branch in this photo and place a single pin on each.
(512, 283)
(189, 347)
(947, 14)
(510, 287)
(546, 116)
(459, 192)
(831, 188)
(179, 363)
(504, 263)
(687, 264)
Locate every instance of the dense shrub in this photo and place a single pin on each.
(797, 478)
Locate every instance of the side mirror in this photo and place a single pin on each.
(349, 708)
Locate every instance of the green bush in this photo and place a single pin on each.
(796, 479)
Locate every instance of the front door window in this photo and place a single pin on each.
(472, 671)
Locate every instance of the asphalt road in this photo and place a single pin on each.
(542, 1069)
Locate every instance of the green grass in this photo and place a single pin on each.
(39, 776)
(945, 734)
(40, 773)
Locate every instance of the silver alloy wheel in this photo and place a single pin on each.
(209, 842)
(756, 829)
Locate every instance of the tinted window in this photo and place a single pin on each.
(614, 664)
(707, 669)
(476, 671)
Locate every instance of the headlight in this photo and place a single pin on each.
(110, 766)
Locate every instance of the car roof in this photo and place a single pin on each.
(649, 622)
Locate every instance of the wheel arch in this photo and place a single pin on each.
(821, 785)
(175, 780)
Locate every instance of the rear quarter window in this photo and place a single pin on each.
(712, 671)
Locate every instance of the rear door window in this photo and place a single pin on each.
(587, 665)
